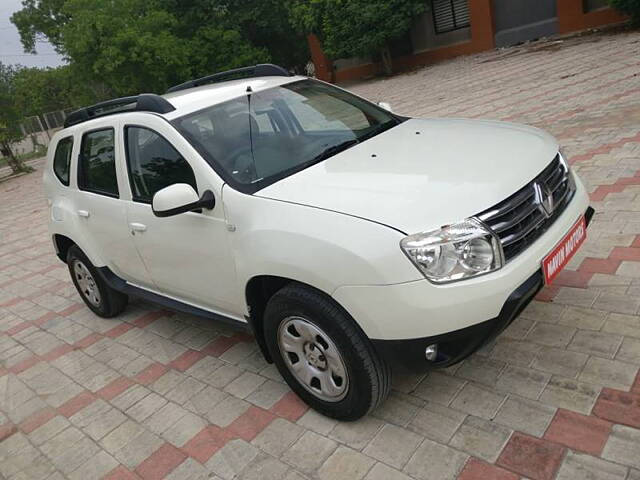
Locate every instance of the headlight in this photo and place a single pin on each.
(563, 160)
(454, 252)
(567, 168)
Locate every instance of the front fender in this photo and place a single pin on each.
(322, 248)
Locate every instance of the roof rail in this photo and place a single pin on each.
(146, 102)
(260, 70)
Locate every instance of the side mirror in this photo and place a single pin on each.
(180, 198)
(386, 106)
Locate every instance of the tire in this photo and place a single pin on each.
(103, 300)
(323, 355)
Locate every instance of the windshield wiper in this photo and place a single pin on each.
(333, 150)
(377, 130)
(328, 152)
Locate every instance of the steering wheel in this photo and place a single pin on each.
(271, 160)
(241, 165)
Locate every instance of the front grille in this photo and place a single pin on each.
(521, 219)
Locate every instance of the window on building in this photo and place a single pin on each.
(97, 163)
(450, 15)
(62, 159)
(153, 164)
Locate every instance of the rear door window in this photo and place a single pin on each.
(97, 163)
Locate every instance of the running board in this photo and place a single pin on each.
(123, 286)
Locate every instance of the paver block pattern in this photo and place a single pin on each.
(159, 394)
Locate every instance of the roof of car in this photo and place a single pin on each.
(190, 96)
(194, 99)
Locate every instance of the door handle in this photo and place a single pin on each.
(83, 213)
(137, 227)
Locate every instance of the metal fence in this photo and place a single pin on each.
(54, 119)
(38, 129)
(44, 122)
(32, 125)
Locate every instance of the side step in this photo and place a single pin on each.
(123, 286)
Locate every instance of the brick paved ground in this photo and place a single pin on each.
(155, 394)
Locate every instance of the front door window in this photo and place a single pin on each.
(153, 164)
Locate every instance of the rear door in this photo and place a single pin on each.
(102, 214)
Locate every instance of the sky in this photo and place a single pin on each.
(11, 51)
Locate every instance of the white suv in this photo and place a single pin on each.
(345, 237)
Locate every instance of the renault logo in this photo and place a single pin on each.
(544, 198)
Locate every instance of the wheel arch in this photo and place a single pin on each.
(63, 241)
(258, 291)
(62, 244)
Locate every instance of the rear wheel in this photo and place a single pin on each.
(323, 355)
(103, 300)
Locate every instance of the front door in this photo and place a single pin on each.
(187, 255)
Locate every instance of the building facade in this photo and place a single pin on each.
(450, 28)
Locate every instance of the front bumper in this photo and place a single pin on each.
(419, 309)
(455, 346)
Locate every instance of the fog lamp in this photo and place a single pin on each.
(431, 352)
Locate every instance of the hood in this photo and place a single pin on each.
(423, 173)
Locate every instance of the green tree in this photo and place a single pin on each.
(266, 24)
(35, 92)
(40, 90)
(129, 44)
(630, 7)
(357, 27)
(10, 119)
(133, 46)
(41, 19)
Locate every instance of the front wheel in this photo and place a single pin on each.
(323, 355)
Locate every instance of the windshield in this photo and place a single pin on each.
(262, 137)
